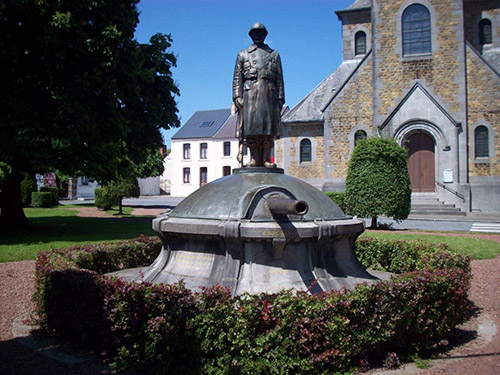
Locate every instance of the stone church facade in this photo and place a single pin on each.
(424, 72)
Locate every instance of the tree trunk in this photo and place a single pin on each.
(374, 222)
(120, 211)
(12, 208)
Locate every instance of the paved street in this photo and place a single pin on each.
(473, 222)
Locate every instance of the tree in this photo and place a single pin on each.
(377, 180)
(121, 188)
(79, 94)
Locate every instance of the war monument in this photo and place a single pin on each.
(257, 230)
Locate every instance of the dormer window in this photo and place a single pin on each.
(360, 43)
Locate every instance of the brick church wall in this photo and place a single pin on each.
(351, 108)
(483, 97)
(441, 71)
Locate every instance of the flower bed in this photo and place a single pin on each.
(150, 328)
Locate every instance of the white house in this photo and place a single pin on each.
(203, 150)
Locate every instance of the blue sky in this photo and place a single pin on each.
(207, 35)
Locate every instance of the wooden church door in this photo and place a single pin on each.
(421, 162)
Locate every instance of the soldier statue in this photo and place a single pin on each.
(259, 95)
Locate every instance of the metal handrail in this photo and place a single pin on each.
(450, 190)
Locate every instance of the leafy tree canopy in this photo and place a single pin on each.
(79, 93)
(377, 180)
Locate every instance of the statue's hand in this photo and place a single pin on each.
(239, 103)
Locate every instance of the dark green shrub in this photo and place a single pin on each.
(54, 191)
(104, 199)
(147, 328)
(43, 199)
(28, 186)
(377, 181)
(338, 197)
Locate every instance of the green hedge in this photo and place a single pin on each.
(104, 199)
(42, 199)
(54, 191)
(147, 328)
(338, 197)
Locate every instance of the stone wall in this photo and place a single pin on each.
(288, 151)
(483, 96)
(442, 70)
(351, 110)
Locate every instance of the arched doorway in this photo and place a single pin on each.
(421, 162)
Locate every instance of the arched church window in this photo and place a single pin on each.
(360, 43)
(481, 149)
(416, 30)
(305, 150)
(359, 136)
(485, 36)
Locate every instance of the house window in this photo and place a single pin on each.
(485, 36)
(359, 136)
(226, 170)
(85, 180)
(203, 176)
(186, 172)
(187, 151)
(360, 43)
(481, 149)
(203, 150)
(416, 27)
(305, 150)
(227, 148)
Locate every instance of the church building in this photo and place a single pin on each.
(424, 72)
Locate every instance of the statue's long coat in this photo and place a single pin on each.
(258, 80)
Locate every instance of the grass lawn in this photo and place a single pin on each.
(60, 227)
(478, 248)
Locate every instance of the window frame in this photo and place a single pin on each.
(203, 176)
(360, 35)
(408, 47)
(485, 143)
(204, 150)
(226, 170)
(226, 148)
(186, 175)
(302, 145)
(482, 24)
(186, 151)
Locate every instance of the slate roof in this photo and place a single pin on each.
(193, 127)
(228, 130)
(357, 5)
(310, 109)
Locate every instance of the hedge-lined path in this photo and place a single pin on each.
(478, 356)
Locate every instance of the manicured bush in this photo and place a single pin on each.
(104, 199)
(147, 328)
(42, 199)
(54, 191)
(377, 181)
(338, 197)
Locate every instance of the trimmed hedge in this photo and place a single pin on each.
(42, 199)
(338, 197)
(53, 190)
(148, 328)
(104, 199)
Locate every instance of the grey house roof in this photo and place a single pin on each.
(228, 129)
(357, 5)
(310, 109)
(203, 124)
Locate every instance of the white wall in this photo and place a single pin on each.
(214, 163)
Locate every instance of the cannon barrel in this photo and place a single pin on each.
(288, 207)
